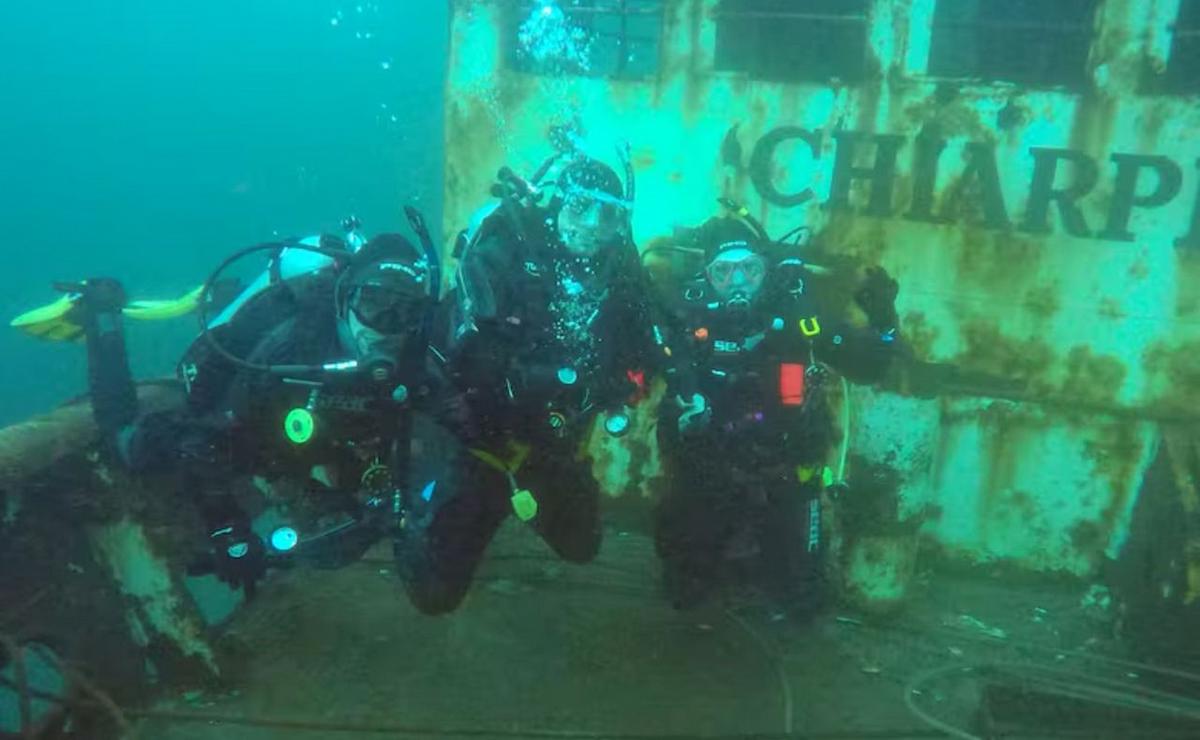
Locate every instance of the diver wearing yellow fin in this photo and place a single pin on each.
(321, 373)
(60, 321)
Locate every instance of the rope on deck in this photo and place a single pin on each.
(26, 694)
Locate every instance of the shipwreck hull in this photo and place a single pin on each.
(1051, 310)
(92, 563)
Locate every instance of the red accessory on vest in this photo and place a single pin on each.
(791, 384)
(638, 378)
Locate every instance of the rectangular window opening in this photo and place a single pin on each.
(616, 39)
(1182, 75)
(819, 41)
(1030, 42)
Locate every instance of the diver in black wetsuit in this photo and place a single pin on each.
(552, 329)
(321, 373)
(745, 440)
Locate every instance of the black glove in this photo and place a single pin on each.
(238, 558)
(877, 298)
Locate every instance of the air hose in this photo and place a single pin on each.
(845, 451)
(206, 292)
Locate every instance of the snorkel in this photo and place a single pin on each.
(433, 263)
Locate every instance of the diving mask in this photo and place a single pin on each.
(737, 273)
(391, 299)
(591, 219)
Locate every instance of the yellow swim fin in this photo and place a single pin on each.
(169, 309)
(52, 321)
(56, 321)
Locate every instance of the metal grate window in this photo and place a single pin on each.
(599, 38)
(1182, 75)
(1041, 43)
(793, 40)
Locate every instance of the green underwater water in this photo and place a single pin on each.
(147, 140)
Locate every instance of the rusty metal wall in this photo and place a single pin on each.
(1098, 337)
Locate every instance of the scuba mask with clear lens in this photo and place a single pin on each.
(582, 201)
(737, 275)
(382, 305)
(377, 354)
(594, 207)
(389, 296)
(386, 310)
(590, 219)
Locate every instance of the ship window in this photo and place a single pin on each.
(598, 38)
(793, 40)
(1183, 67)
(1031, 42)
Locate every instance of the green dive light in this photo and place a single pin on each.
(299, 426)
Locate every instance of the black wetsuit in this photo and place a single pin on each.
(743, 492)
(541, 344)
(232, 422)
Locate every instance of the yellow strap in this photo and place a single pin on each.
(490, 460)
(518, 452)
(524, 504)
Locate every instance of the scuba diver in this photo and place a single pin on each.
(551, 331)
(319, 373)
(745, 440)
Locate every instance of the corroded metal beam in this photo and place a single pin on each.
(35, 445)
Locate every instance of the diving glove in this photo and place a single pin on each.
(877, 298)
(696, 414)
(238, 558)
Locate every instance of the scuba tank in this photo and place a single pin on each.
(294, 260)
(298, 258)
